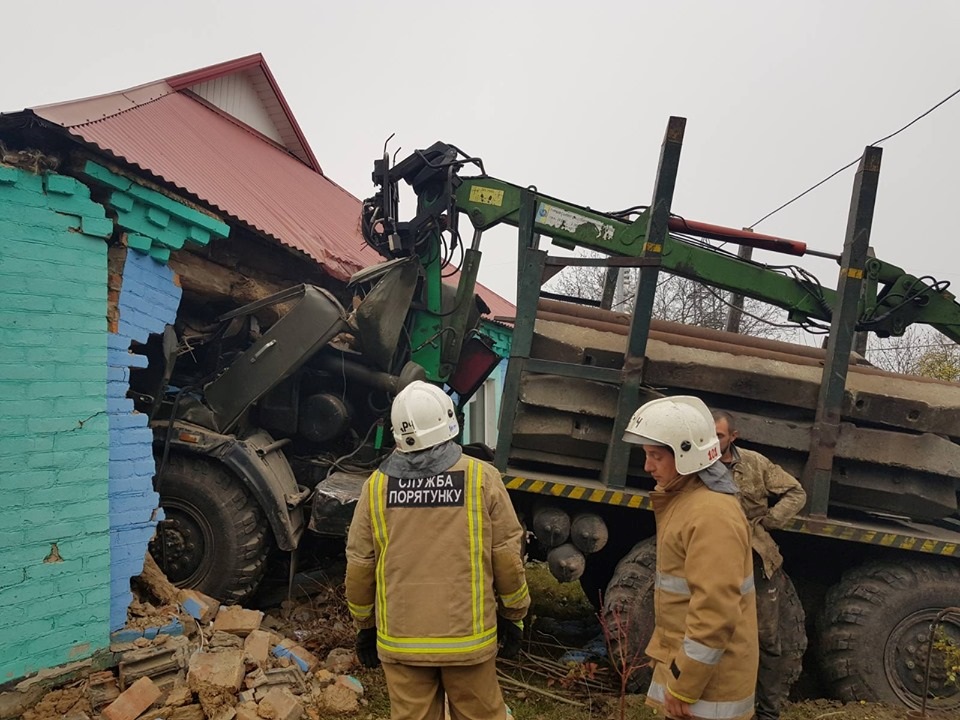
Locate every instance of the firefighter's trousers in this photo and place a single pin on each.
(417, 691)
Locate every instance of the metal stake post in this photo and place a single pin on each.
(529, 277)
(610, 280)
(826, 426)
(615, 464)
(736, 300)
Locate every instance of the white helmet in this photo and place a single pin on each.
(684, 424)
(422, 416)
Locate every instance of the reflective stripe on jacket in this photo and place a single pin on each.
(431, 562)
(705, 641)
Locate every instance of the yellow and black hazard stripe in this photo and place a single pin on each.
(638, 499)
(622, 498)
(871, 536)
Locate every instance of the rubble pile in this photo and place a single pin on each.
(198, 660)
(317, 619)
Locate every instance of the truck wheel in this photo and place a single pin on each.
(793, 634)
(628, 615)
(873, 633)
(628, 618)
(214, 538)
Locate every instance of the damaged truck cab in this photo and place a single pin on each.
(247, 423)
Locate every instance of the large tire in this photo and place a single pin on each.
(214, 538)
(628, 613)
(873, 630)
(628, 618)
(793, 635)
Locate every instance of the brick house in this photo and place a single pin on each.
(115, 211)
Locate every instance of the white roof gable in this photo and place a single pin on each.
(237, 96)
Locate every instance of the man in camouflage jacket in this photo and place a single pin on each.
(759, 480)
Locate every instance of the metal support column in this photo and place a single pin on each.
(735, 313)
(868, 302)
(610, 279)
(530, 266)
(615, 464)
(826, 426)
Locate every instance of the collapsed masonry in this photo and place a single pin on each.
(183, 656)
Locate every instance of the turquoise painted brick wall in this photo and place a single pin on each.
(54, 522)
(153, 224)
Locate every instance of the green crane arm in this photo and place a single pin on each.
(891, 300)
(894, 299)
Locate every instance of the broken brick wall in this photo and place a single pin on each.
(77, 505)
(144, 298)
(149, 298)
(54, 526)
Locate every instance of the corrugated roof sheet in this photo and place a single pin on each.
(183, 141)
(228, 166)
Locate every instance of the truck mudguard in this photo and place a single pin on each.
(257, 461)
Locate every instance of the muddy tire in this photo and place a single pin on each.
(793, 635)
(628, 615)
(214, 537)
(873, 632)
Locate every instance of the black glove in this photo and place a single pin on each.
(367, 648)
(509, 635)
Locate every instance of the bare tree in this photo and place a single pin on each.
(678, 299)
(919, 351)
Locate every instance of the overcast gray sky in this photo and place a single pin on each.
(574, 97)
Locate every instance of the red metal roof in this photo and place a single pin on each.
(184, 141)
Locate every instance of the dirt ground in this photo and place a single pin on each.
(543, 684)
(538, 687)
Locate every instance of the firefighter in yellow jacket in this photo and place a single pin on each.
(704, 645)
(434, 572)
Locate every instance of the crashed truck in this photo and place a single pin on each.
(265, 432)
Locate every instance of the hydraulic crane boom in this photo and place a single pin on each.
(892, 299)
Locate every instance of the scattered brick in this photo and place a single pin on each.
(237, 620)
(163, 664)
(340, 661)
(351, 683)
(247, 711)
(187, 712)
(291, 677)
(324, 676)
(221, 670)
(180, 695)
(304, 659)
(255, 679)
(102, 689)
(339, 699)
(224, 712)
(256, 647)
(221, 639)
(133, 701)
(280, 704)
(199, 606)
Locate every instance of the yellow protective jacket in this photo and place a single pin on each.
(704, 645)
(431, 562)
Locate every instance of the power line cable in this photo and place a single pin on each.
(855, 161)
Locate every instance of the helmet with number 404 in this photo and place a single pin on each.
(422, 416)
(684, 424)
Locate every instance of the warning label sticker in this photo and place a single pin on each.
(443, 490)
(486, 196)
(572, 222)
